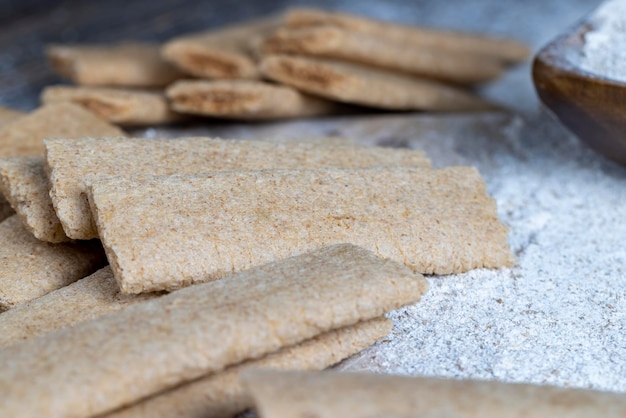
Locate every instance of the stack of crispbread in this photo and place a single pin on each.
(139, 277)
(303, 63)
(312, 244)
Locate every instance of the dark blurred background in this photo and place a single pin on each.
(27, 25)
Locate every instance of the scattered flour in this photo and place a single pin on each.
(604, 51)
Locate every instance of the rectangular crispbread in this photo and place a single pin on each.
(246, 99)
(103, 364)
(222, 53)
(164, 232)
(24, 183)
(30, 268)
(368, 86)
(71, 162)
(85, 299)
(24, 137)
(506, 50)
(221, 395)
(286, 394)
(343, 44)
(127, 107)
(129, 64)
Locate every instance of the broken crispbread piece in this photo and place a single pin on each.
(24, 137)
(338, 43)
(367, 86)
(506, 50)
(122, 65)
(85, 299)
(282, 394)
(23, 181)
(152, 228)
(71, 162)
(30, 268)
(246, 99)
(100, 365)
(222, 395)
(219, 53)
(128, 107)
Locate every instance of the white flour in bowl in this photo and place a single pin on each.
(604, 51)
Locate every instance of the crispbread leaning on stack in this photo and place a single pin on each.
(97, 366)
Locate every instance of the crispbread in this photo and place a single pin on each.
(119, 358)
(80, 301)
(219, 53)
(154, 228)
(282, 394)
(71, 162)
(8, 115)
(24, 137)
(337, 43)
(121, 106)
(503, 49)
(367, 86)
(30, 268)
(23, 181)
(246, 99)
(221, 394)
(122, 65)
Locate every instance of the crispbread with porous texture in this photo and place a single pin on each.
(8, 115)
(30, 268)
(122, 65)
(71, 162)
(506, 50)
(337, 43)
(367, 86)
(283, 394)
(219, 53)
(24, 137)
(23, 181)
(222, 395)
(103, 364)
(165, 232)
(80, 301)
(246, 99)
(129, 107)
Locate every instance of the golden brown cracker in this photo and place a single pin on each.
(24, 137)
(281, 394)
(24, 183)
(30, 268)
(128, 107)
(367, 86)
(100, 365)
(219, 53)
(153, 228)
(80, 301)
(222, 395)
(507, 50)
(123, 65)
(246, 99)
(71, 163)
(337, 43)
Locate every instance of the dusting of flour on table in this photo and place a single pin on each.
(604, 51)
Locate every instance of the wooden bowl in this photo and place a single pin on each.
(591, 106)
